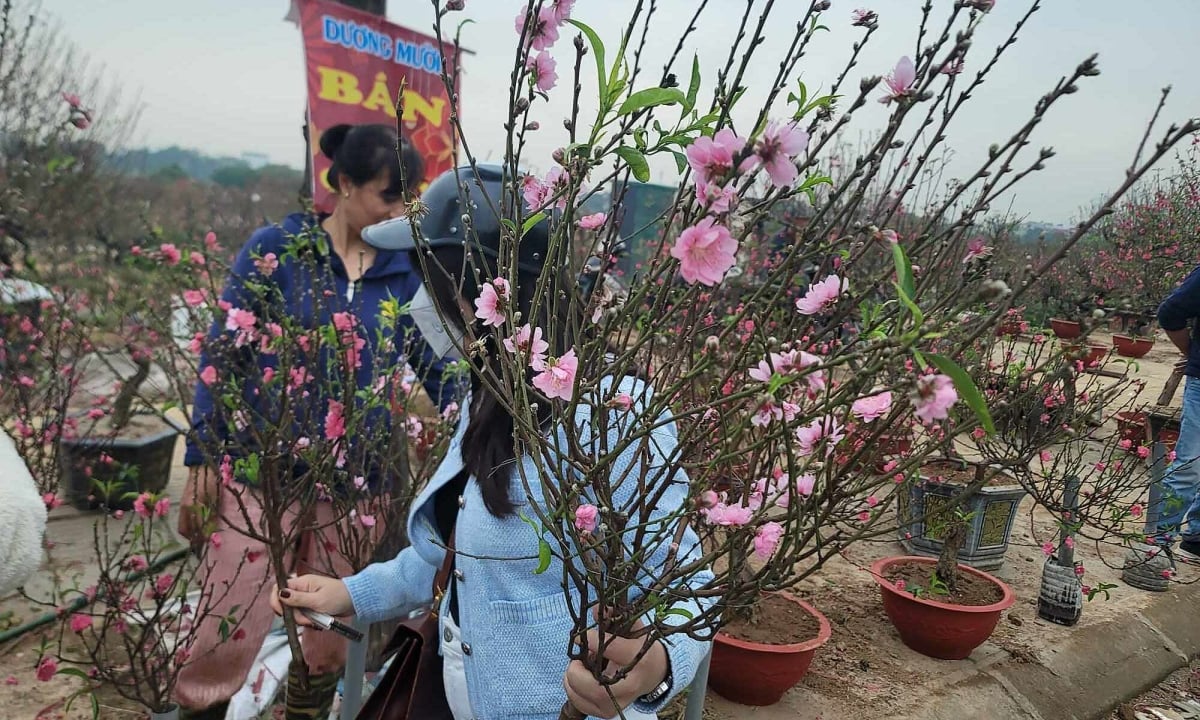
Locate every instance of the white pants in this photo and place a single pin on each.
(454, 675)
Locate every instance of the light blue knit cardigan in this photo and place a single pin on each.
(516, 624)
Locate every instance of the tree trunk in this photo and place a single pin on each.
(123, 406)
(952, 542)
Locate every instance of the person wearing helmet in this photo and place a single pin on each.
(371, 181)
(505, 630)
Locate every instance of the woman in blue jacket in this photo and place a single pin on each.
(342, 275)
(505, 629)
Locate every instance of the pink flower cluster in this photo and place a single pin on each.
(707, 250)
(541, 36)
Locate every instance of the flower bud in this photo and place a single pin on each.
(453, 5)
(712, 343)
(559, 156)
(532, 125)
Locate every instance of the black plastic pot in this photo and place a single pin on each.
(140, 464)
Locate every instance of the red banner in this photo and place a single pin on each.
(356, 64)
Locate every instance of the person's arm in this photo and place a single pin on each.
(206, 431)
(1182, 339)
(1180, 307)
(383, 590)
(23, 517)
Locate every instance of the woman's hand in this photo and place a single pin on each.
(588, 696)
(315, 592)
(199, 502)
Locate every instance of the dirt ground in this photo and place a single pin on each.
(863, 672)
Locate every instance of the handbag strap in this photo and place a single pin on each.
(441, 580)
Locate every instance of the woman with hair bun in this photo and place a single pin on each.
(373, 182)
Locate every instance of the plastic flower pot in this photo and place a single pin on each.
(139, 464)
(752, 673)
(936, 629)
(1065, 329)
(1132, 347)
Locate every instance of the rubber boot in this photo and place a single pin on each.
(314, 702)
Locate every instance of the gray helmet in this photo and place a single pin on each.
(451, 195)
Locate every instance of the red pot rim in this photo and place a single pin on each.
(1065, 322)
(824, 632)
(880, 567)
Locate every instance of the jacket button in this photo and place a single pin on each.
(458, 574)
(466, 649)
(462, 501)
(447, 635)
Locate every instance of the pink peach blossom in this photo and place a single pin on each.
(776, 151)
(492, 302)
(267, 264)
(825, 429)
(822, 294)
(976, 248)
(544, 72)
(706, 251)
(716, 198)
(712, 157)
(933, 398)
(873, 406)
(558, 379)
(528, 341)
(766, 539)
(900, 82)
(47, 669)
(194, 298)
(591, 222)
(543, 31)
(585, 518)
(335, 420)
(80, 622)
(170, 253)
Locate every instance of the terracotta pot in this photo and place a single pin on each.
(1065, 329)
(753, 673)
(937, 629)
(1132, 347)
(1091, 356)
(1132, 426)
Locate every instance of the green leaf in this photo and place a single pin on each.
(689, 101)
(543, 546)
(918, 316)
(651, 97)
(531, 221)
(679, 611)
(637, 162)
(681, 161)
(966, 389)
(73, 672)
(904, 275)
(543, 556)
(598, 51)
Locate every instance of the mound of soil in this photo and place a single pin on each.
(971, 590)
(778, 622)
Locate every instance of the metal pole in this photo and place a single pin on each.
(356, 668)
(699, 687)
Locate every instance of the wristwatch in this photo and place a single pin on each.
(659, 692)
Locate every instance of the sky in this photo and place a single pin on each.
(227, 76)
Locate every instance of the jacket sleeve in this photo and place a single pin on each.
(392, 588)
(205, 429)
(649, 460)
(1181, 305)
(23, 517)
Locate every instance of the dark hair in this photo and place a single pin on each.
(361, 153)
(488, 449)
